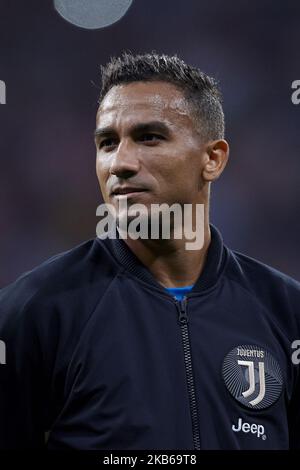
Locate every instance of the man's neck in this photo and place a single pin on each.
(169, 261)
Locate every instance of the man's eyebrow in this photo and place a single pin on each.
(103, 131)
(152, 126)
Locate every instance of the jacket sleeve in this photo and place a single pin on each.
(21, 375)
(294, 418)
(294, 405)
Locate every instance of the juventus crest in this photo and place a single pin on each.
(252, 376)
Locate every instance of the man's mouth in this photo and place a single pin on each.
(126, 191)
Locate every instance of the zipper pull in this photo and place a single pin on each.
(181, 304)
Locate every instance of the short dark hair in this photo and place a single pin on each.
(201, 90)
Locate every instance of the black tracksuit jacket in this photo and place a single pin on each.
(96, 352)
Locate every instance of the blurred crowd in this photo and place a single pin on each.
(49, 191)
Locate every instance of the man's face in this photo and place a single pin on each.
(148, 148)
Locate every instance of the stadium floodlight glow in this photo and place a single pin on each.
(92, 14)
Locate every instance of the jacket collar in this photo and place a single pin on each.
(215, 260)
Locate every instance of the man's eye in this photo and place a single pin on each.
(107, 143)
(151, 137)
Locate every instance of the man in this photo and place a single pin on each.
(136, 343)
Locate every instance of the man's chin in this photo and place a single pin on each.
(131, 218)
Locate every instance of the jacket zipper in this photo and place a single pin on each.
(183, 321)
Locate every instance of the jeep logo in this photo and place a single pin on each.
(257, 429)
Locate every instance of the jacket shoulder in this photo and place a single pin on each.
(71, 270)
(277, 292)
(255, 271)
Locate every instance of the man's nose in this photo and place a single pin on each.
(125, 162)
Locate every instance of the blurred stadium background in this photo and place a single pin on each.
(49, 191)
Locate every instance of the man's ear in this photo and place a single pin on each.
(217, 153)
